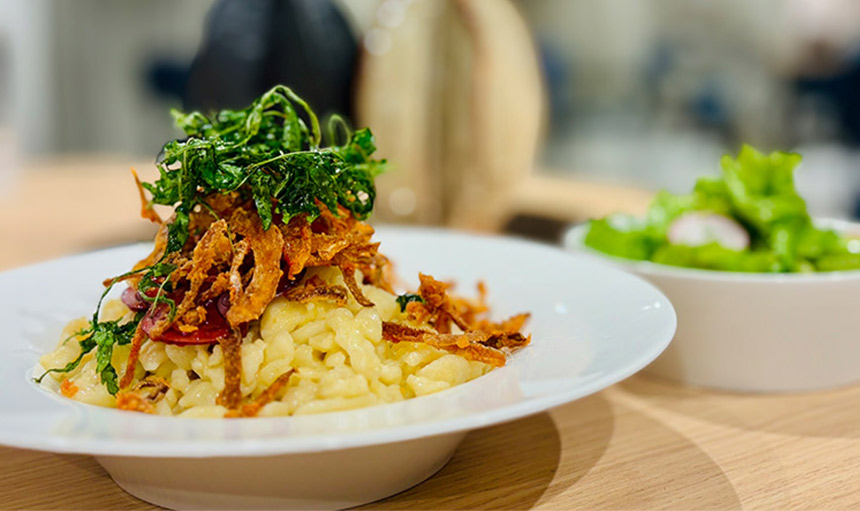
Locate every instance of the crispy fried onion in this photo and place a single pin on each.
(438, 308)
(348, 271)
(297, 244)
(143, 396)
(266, 397)
(250, 290)
(509, 326)
(480, 340)
(146, 210)
(232, 259)
(247, 303)
(231, 396)
(476, 345)
(212, 250)
(335, 240)
(470, 310)
(313, 289)
(133, 356)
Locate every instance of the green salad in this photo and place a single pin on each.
(750, 219)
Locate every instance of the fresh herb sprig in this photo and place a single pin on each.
(102, 336)
(269, 153)
(157, 277)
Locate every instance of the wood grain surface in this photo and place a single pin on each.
(641, 444)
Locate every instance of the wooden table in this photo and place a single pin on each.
(641, 444)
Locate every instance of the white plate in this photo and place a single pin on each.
(592, 326)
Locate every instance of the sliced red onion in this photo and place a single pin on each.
(700, 228)
(152, 317)
(132, 299)
(223, 304)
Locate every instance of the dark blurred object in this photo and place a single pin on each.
(251, 45)
(838, 89)
(537, 228)
(167, 78)
(558, 79)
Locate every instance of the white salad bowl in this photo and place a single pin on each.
(753, 332)
(591, 325)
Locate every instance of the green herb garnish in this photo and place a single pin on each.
(102, 336)
(156, 277)
(106, 335)
(406, 298)
(268, 153)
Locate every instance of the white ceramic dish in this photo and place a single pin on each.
(592, 326)
(753, 332)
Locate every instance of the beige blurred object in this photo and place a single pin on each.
(453, 92)
(554, 198)
(71, 204)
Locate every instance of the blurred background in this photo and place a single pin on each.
(502, 115)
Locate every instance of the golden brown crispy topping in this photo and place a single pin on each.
(438, 308)
(220, 284)
(231, 396)
(511, 325)
(212, 250)
(348, 272)
(474, 351)
(470, 345)
(297, 244)
(133, 356)
(507, 340)
(247, 303)
(397, 332)
(143, 396)
(152, 388)
(146, 210)
(314, 289)
(480, 340)
(131, 402)
(230, 255)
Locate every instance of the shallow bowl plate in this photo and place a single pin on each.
(592, 326)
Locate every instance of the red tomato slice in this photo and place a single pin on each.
(210, 331)
(205, 335)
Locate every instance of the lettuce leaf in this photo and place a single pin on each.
(762, 190)
(716, 257)
(632, 243)
(758, 192)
